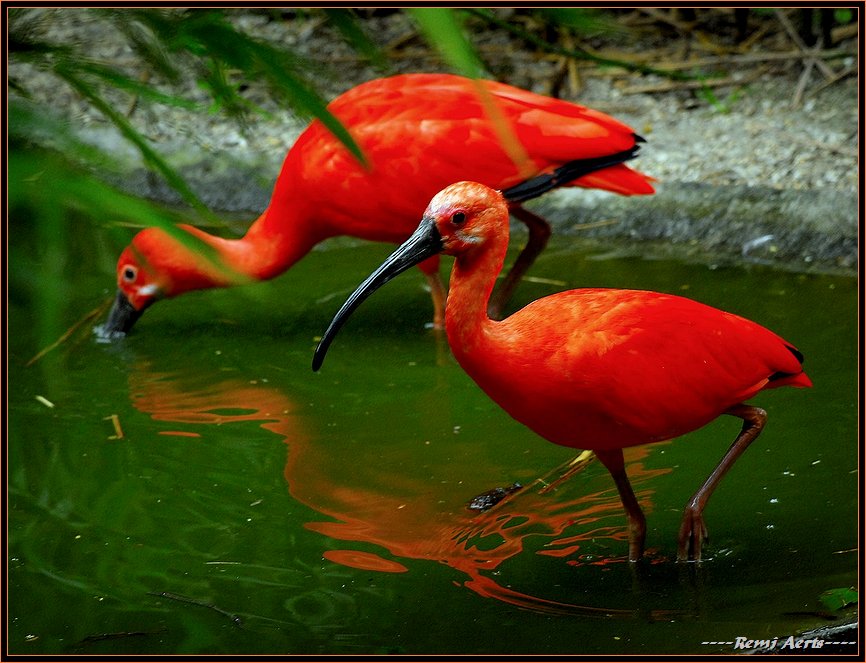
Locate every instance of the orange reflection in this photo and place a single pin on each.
(409, 521)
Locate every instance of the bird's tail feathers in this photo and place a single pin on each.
(568, 172)
(788, 379)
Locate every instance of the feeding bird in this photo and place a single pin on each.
(600, 369)
(419, 133)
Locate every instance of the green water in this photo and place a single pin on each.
(252, 506)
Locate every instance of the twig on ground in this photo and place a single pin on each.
(670, 86)
(847, 71)
(750, 58)
(807, 52)
(801, 84)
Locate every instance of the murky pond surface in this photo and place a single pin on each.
(251, 505)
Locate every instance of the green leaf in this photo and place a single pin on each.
(143, 41)
(222, 55)
(442, 31)
(838, 598)
(150, 156)
(843, 16)
(347, 23)
(582, 20)
(44, 184)
(29, 124)
(123, 82)
(304, 97)
(209, 36)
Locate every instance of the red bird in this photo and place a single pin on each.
(598, 369)
(419, 133)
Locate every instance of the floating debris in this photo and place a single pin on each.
(65, 336)
(491, 498)
(753, 244)
(118, 431)
(117, 636)
(236, 620)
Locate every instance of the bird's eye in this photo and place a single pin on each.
(129, 274)
(458, 218)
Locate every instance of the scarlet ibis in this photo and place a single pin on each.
(594, 368)
(419, 133)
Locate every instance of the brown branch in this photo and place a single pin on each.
(847, 71)
(658, 15)
(750, 58)
(807, 54)
(670, 86)
(801, 84)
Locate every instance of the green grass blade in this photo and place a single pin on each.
(347, 23)
(122, 82)
(442, 31)
(151, 157)
(44, 183)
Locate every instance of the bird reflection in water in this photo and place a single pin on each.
(407, 519)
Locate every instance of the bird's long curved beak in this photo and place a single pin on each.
(121, 318)
(424, 243)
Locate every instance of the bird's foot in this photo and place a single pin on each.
(693, 534)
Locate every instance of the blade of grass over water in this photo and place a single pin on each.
(444, 33)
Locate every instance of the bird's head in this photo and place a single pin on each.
(459, 220)
(140, 282)
(465, 216)
(158, 265)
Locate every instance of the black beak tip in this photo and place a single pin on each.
(121, 319)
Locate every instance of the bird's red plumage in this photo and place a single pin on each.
(597, 368)
(602, 368)
(419, 133)
(422, 132)
(594, 368)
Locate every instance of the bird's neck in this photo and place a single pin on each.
(275, 241)
(473, 277)
(280, 237)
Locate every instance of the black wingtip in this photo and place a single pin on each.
(567, 172)
(794, 351)
(779, 375)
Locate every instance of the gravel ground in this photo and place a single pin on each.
(731, 174)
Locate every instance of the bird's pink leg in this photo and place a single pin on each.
(438, 294)
(539, 233)
(693, 531)
(613, 461)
